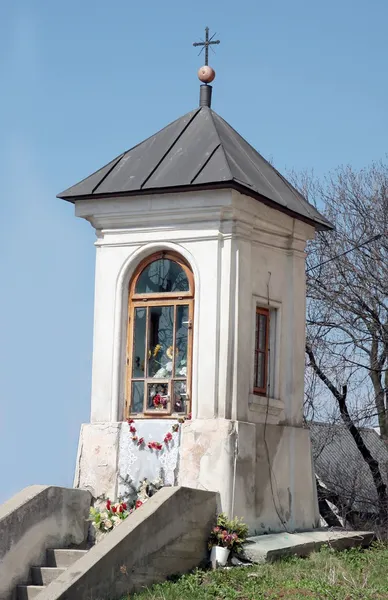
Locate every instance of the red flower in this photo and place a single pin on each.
(108, 504)
(168, 438)
(138, 504)
(132, 429)
(155, 445)
(140, 442)
(114, 509)
(130, 421)
(124, 505)
(121, 509)
(188, 417)
(157, 400)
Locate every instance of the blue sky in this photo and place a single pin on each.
(305, 82)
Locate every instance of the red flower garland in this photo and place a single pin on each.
(153, 445)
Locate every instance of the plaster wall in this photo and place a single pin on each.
(262, 472)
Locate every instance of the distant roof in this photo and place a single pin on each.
(340, 466)
(198, 151)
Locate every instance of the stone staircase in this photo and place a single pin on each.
(57, 561)
(42, 517)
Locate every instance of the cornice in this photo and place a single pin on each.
(188, 224)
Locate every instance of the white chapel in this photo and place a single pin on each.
(199, 323)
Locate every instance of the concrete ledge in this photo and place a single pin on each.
(166, 536)
(268, 548)
(38, 518)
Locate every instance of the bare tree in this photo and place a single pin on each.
(347, 303)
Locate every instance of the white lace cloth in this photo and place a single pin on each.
(136, 463)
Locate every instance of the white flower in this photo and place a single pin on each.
(108, 524)
(104, 515)
(158, 483)
(96, 525)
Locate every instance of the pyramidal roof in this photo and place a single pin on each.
(197, 151)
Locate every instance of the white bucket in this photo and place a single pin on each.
(220, 555)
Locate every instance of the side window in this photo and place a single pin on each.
(261, 349)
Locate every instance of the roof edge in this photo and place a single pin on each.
(340, 426)
(320, 225)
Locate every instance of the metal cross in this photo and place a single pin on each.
(208, 42)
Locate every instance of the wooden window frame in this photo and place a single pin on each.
(150, 259)
(173, 299)
(263, 390)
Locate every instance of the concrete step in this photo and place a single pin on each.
(267, 548)
(27, 592)
(63, 558)
(45, 575)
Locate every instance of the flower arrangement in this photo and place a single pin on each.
(107, 516)
(228, 533)
(162, 368)
(159, 401)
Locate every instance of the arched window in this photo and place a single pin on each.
(159, 350)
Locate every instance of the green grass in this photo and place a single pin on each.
(350, 575)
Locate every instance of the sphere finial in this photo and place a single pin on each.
(206, 74)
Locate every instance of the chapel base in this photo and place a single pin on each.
(263, 473)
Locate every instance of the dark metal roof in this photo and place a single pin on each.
(340, 466)
(198, 151)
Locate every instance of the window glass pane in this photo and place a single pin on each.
(157, 396)
(255, 370)
(182, 328)
(262, 332)
(261, 351)
(257, 330)
(160, 341)
(260, 374)
(139, 335)
(160, 276)
(137, 400)
(179, 397)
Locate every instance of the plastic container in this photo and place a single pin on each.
(220, 555)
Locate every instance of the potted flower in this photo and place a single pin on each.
(227, 536)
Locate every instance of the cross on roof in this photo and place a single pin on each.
(205, 44)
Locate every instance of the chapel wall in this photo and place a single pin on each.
(270, 254)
